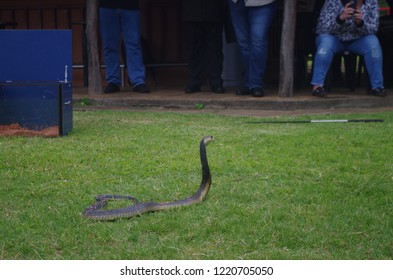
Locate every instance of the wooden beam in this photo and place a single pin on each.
(287, 49)
(94, 69)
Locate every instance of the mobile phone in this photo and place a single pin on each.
(353, 3)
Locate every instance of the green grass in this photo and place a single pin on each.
(280, 191)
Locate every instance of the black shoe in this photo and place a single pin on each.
(319, 92)
(218, 89)
(243, 91)
(111, 88)
(141, 88)
(257, 92)
(192, 89)
(380, 92)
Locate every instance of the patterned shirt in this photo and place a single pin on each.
(346, 31)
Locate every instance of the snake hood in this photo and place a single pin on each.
(96, 212)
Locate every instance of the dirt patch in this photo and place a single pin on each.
(240, 112)
(16, 130)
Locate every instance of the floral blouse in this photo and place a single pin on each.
(329, 23)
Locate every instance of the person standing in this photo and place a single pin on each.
(203, 24)
(117, 18)
(348, 25)
(251, 21)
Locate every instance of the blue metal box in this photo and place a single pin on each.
(36, 79)
(37, 106)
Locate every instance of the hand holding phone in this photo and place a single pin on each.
(353, 4)
(348, 11)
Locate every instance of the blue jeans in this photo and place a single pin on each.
(367, 46)
(251, 25)
(113, 24)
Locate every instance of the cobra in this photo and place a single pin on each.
(96, 211)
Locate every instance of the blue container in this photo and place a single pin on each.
(37, 106)
(36, 79)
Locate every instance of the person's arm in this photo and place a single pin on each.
(329, 20)
(367, 18)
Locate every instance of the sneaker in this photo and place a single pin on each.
(380, 92)
(141, 88)
(319, 91)
(111, 88)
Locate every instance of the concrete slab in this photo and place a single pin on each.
(175, 98)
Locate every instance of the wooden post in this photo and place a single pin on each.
(287, 49)
(94, 73)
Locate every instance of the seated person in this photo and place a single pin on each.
(348, 25)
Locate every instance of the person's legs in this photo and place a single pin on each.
(327, 46)
(260, 20)
(195, 55)
(370, 49)
(239, 16)
(130, 27)
(214, 54)
(110, 34)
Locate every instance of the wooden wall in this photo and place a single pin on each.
(162, 31)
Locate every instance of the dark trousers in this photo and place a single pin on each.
(204, 52)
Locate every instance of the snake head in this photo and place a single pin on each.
(207, 139)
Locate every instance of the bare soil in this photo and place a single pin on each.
(16, 130)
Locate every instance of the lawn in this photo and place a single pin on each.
(279, 191)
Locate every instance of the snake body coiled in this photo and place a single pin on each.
(96, 212)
